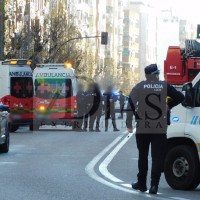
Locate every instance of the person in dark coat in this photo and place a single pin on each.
(109, 106)
(121, 103)
(81, 102)
(94, 97)
(87, 104)
(148, 102)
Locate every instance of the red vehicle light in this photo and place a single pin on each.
(5, 100)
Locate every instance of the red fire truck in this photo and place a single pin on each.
(182, 65)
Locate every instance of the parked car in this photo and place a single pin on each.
(4, 130)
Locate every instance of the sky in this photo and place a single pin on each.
(185, 9)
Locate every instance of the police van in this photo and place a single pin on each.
(182, 162)
(17, 91)
(55, 90)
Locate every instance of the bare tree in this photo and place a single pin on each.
(53, 42)
(129, 78)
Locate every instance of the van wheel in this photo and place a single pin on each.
(34, 127)
(13, 128)
(4, 148)
(181, 168)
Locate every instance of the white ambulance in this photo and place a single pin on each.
(55, 90)
(16, 91)
(182, 163)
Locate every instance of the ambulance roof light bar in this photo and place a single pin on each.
(65, 65)
(16, 62)
(50, 65)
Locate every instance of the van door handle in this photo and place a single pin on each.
(4, 114)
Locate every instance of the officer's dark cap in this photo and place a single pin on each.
(152, 70)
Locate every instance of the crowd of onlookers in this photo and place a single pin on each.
(91, 105)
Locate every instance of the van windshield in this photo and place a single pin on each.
(53, 88)
(21, 87)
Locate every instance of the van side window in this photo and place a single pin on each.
(197, 96)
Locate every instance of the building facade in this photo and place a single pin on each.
(140, 36)
(168, 35)
(187, 30)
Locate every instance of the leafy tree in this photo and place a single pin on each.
(129, 79)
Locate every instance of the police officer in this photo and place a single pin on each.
(121, 102)
(94, 97)
(109, 105)
(81, 102)
(147, 101)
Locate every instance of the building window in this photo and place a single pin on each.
(126, 52)
(109, 9)
(137, 40)
(126, 38)
(126, 20)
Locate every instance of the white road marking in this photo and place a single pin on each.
(90, 170)
(8, 163)
(103, 167)
(136, 158)
(179, 198)
(126, 185)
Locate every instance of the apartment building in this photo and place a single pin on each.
(140, 36)
(187, 30)
(131, 42)
(114, 26)
(120, 34)
(168, 35)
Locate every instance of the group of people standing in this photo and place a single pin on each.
(91, 103)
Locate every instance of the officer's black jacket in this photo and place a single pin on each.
(147, 101)
(81, 98)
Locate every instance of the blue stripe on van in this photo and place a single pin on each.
(192, 121)
(195, 120)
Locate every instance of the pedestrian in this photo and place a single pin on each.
(87, 105)
(121, 103)
(109, 106)
(96, 108)
(147, 101)
(81, 98)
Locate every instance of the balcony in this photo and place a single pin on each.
(83, 7)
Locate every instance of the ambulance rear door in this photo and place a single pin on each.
(4, 80)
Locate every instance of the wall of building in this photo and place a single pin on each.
(140, 36)
(168, 35)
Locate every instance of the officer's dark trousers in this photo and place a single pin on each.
(122, 110)
(95, 115)
(80, 118)
(110, 113)
(158, 149)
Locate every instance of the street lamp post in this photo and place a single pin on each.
(104, 40)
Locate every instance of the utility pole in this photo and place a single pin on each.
(2, 27)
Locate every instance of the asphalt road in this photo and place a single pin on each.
(56, 164)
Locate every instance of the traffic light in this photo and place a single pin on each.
(198, 31)
(104, 38)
